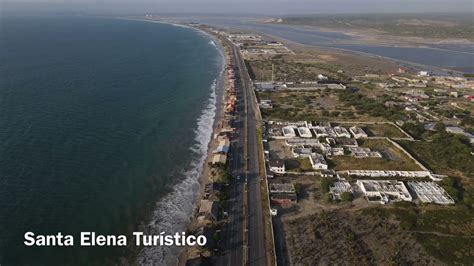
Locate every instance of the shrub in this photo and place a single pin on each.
(347, 196)
(325, 184)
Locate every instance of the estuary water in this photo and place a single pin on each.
(104, 124)
(451, 56)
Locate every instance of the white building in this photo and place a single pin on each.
(384, 191)
(346, 142)
(337, 151)
(325, 147)
(458, 130)
(423, 74)
(331, 133)
(304, 132)
(266, 104)
(288, 132)
(358, 132)
(277, 166)
(341, 132)
(320, 132)
(317, 161)
(322, 77)
(389, 173)
(301, 152)
(339, 187)
(302, 142)
(430, 192)
(360, 152)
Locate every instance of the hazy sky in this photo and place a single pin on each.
(269, 7)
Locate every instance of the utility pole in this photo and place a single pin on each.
(273, 75)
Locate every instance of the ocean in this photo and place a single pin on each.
(104, 127)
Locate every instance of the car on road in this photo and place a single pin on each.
(274, 212)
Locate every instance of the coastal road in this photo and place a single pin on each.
(256, 230)
(233, 237)
(248, 170)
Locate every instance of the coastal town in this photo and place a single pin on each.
(391, 149)
(237, 133)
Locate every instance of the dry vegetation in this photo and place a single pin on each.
(348, 238)
(310, 106)
(384, 130)
(393, 158)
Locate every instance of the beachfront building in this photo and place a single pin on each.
(208, 211)
(219, 159)
(223, 145)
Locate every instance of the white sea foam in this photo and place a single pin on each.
(211, 42)
(173, 212)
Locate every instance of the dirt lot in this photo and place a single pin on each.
(316, 232)
(378, 130)
(279, 150)
(310, 106)
(348, 238)
(393, 158)
(329, 61)
(384, 130)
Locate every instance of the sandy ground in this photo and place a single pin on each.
(352, 62)
(314, 232)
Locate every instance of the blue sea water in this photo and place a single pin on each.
(103, 127)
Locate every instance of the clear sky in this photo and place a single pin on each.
(268, 7)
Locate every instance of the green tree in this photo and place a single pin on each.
(416, 130)
(325, 184)
(347, 196)
(440, 127)
(327, 198)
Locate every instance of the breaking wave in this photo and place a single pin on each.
(172, 212)
(211, 42)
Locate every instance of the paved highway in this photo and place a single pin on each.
(256, 230)
(246, 125)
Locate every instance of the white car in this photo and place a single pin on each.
(274, 212)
